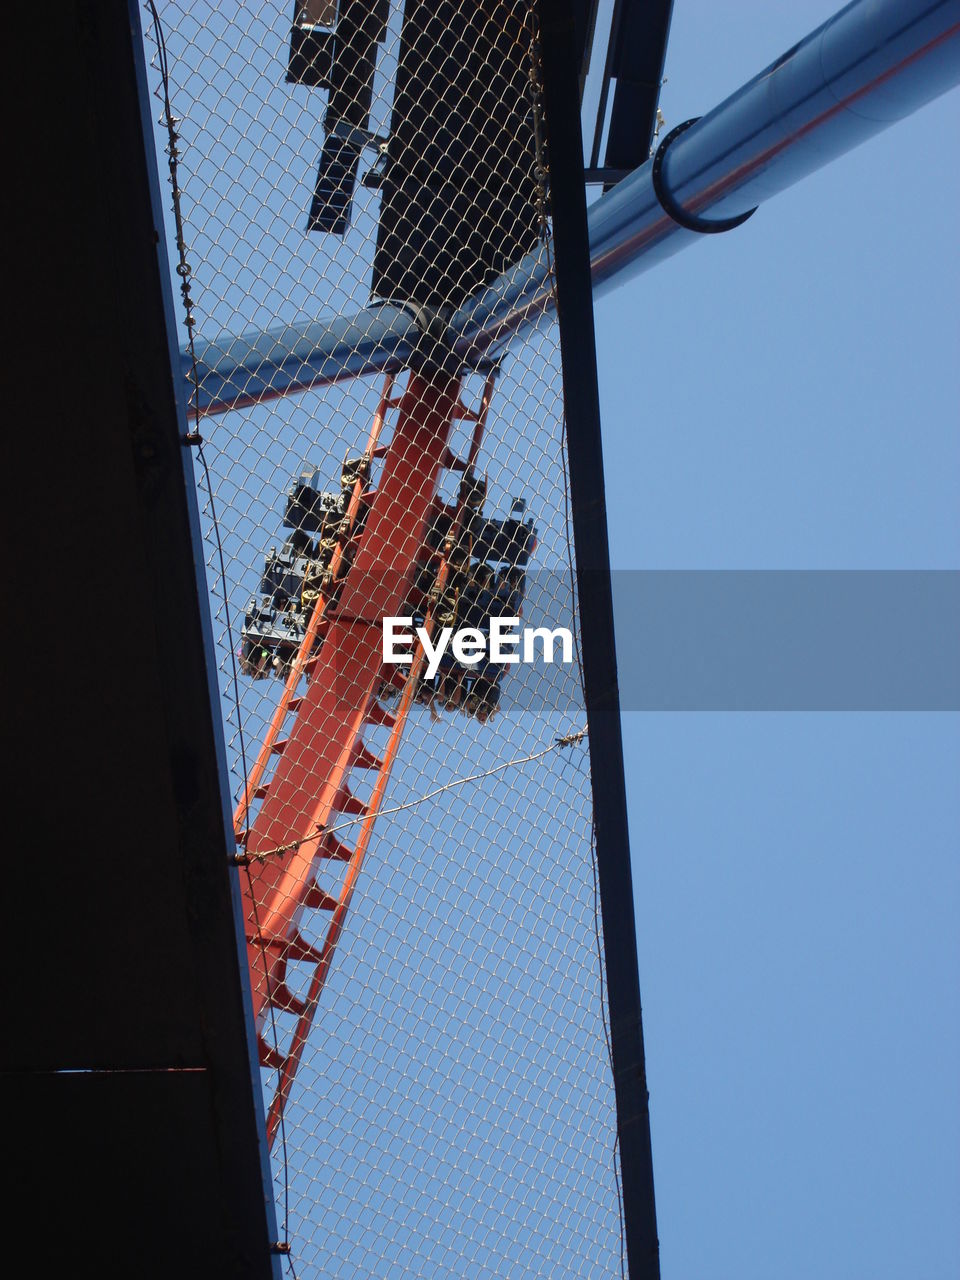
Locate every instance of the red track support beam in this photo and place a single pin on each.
(311, 773)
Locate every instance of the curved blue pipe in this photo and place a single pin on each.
(871, 64)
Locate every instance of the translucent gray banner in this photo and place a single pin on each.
(754, 640)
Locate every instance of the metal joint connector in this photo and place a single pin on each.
(433, 351)
(673, 208)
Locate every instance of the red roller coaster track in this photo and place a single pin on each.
(289, 841)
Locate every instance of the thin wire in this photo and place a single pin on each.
(183, 267)
(183, 270)
(568, 740)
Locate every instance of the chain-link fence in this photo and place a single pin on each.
(414, 838)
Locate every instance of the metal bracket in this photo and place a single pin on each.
(599, 176)
(355, 136)
(433, 352)
(672, 207)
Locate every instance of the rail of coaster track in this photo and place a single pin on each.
(288, 840)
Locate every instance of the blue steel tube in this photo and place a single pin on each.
(871, 64)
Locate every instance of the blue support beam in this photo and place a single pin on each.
(872, 64)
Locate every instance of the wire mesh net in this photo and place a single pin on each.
(414, 837)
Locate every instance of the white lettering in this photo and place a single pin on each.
(547, 638)
(434, 654)
(503, 632)
(469, 646)
(509, 643)
(391, 639)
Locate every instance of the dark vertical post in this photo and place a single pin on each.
(582, 408)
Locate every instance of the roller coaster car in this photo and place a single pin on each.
(487, 560)
(476, 592)
(500, 545)
(312, 510)
(293, 577)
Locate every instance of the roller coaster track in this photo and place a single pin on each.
(332, 694)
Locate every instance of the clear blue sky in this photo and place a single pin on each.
(786, 396)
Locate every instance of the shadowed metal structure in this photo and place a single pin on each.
(456, 208)
(599, 658)
(636, 49)
(136, 1115)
